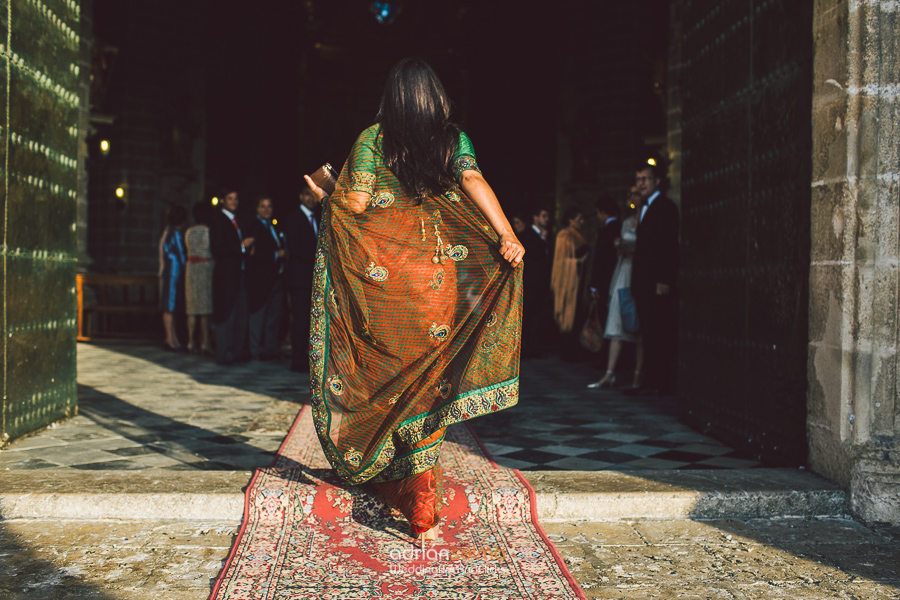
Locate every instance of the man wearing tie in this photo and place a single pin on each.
(301, 229)
(653, 276)
(265, 293)
(229, 248)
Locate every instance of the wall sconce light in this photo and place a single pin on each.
(651, 162)
(104, 147)
(215, 201)
(120, 192)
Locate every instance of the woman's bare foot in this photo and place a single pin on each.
(431, 534)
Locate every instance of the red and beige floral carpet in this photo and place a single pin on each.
(308, 535)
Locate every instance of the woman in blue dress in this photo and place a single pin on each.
(171, 273)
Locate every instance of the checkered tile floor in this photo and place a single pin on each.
(143, 408)
(559, 424)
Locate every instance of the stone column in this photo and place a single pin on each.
(854, 415)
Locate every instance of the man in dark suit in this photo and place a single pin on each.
(265, 293)
(605, 255)
(653, 278)
(301, 229)
(228, 247)
(537, 311)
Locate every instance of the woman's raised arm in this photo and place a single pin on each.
(355, 202)
(478, 190)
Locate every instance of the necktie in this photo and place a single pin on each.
(312, 221)
(240, 237)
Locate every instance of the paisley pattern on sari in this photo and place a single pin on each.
(396, 334)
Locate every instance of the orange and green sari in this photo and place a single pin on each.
(415, 326)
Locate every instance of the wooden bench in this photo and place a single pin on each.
(116, 296)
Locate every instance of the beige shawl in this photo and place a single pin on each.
(566, 279)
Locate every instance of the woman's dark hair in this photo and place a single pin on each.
(570, 213)
(176, 216)
(418, 139)
(202, 212)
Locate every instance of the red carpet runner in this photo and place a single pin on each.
(307, 535)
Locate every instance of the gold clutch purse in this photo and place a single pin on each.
(325, 177)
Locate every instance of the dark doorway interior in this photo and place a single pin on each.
(747, 143)
(558, 99)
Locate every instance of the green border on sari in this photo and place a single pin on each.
(385, 466)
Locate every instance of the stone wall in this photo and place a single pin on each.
(744, 85)
(854, 413)
(39, 54)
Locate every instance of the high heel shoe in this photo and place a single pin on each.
(609, 380)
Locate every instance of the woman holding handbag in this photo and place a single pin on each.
(621, 322)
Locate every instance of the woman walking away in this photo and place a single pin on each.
(171, 273)
(417, 304)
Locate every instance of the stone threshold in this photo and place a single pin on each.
(560, 495)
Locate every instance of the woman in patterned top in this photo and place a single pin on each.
(198, 279)
(417, 301)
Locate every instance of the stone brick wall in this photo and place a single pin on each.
(39, 51)
(745, 70)
(854, 413)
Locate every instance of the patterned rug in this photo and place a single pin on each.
(308, 535)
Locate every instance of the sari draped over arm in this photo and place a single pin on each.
(566, 277)
(415, 325)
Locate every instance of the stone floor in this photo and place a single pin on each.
(141, 407)
(760, 559)
(148, 411)
(144, 408)
(559, 424)
(731, 559)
